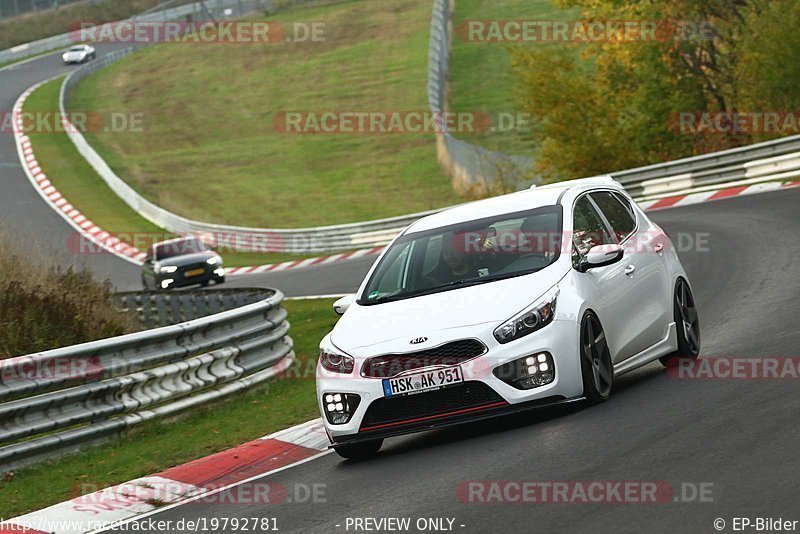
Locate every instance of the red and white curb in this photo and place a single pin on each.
(56, 200)
(275, 267)
(208, 479)
(112, 244)
(690, 198)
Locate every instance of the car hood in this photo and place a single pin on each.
(75, 54)
(188, 259)
(434, 315)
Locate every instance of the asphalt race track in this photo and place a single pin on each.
(740, 436)
(24, 216)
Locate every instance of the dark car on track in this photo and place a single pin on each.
(181, 262)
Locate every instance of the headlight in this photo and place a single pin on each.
(530, 320)
(336, 361)
(168, 269)
(64, 56)
(214, 260)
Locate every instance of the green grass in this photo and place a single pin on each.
(83, 187)
(481, 78)
(209, 150)
(154, 446)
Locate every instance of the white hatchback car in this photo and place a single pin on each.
(521, 301)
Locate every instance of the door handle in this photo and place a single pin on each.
(629, 269)
(659, 247)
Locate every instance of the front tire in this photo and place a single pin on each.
(359, 451)
(597, 369)
(687, 323)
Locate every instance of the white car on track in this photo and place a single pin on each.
(526, 300)
(79, 54)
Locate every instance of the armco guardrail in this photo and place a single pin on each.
(209, 9)
(56, 401)
(772, 160)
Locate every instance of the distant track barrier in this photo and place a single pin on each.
(201, 346)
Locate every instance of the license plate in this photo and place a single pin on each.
(421, 382)
(195, 272)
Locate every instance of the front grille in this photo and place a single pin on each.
(453, 353)
(408, 408)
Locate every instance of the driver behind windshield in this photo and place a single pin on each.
(457, 261)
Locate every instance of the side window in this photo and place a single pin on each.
(432, 253)
(619, 215)
(392, 277)
(588, 229)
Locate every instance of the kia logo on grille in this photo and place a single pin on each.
(418, 340)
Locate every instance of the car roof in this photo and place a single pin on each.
(528, 199)
(176, 240)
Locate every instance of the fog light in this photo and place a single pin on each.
(340, 407)
(166, 283)
(528, 372)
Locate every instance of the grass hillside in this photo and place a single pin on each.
(481, 78)
(209, 149)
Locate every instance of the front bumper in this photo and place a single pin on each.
(180, 280)
(560, 339)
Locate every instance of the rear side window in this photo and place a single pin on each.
(620, 216)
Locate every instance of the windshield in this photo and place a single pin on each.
(469, 253)
(179, 248)
(76, 49)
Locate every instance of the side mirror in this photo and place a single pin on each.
(600, 256)
(341, 305)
